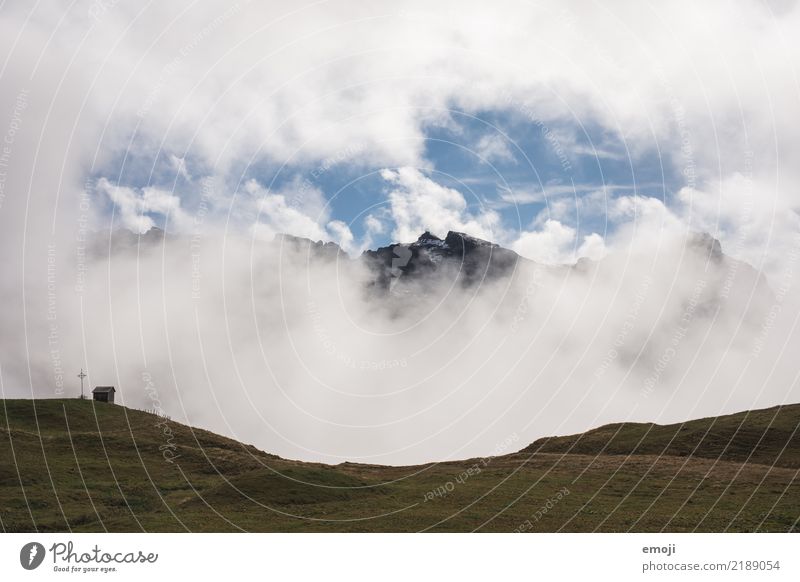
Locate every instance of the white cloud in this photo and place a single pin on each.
(278, 82)
(342, 235)
(587, 195)
(755, 220)
(297, 209)
(554, 244)
(494, 149)
(179, 166)
(226, 88)
(593, 247)
(288, 211)
(417, 203)
(596, 152)
(520, 196)
(373, 225)
(287, 82)
(134, 206)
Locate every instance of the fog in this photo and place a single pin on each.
(117, 118)
(295, 353)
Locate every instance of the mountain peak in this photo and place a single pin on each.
(427, 236)
(706, 243)
(461, 240)
(316, 249)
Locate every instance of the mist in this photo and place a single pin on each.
(297, 354)
(120, 120)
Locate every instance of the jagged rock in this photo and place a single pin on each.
(466, 257)
(314, 250)
(469, 261)
(704, 242)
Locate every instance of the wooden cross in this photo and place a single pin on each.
(82, 376)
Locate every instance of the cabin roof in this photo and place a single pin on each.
(103, 389)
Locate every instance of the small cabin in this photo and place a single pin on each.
(104, 394)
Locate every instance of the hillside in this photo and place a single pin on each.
(73, 465)
(766, 437)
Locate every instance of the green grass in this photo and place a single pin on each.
(767, 437)
(71, 465)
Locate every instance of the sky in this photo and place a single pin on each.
(307, 104)
(299, 107)
(560, 130)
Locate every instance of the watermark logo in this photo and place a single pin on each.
(31, 555)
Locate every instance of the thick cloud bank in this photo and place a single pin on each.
(294, 351)
(120, 118)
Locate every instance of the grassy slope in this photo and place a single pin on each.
(71, 464)
(767, 437)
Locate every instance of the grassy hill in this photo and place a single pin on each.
(76, 465)
(766, 437)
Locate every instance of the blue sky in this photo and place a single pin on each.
(434, 87)
(493, 158)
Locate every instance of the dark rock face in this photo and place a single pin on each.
(307, 247)
(705, 243)
(468, 258)
(464, 260)
(123, 241)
